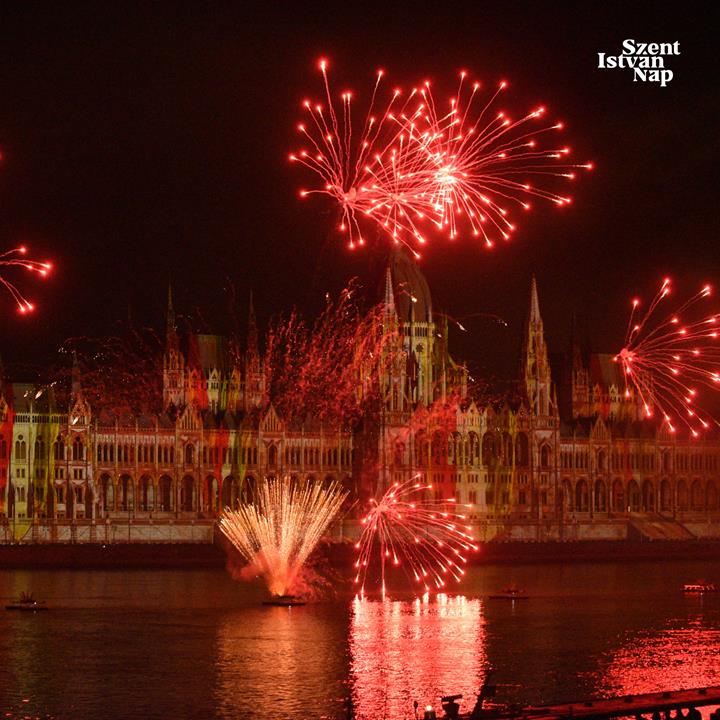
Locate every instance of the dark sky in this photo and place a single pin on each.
(147, 143)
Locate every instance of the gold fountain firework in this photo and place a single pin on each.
(281, 526)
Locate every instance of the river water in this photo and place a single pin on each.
(197, 644)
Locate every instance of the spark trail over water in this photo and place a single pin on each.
(408, 527)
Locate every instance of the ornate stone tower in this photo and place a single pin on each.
(536, 370)
(173, 361)
(544, 418)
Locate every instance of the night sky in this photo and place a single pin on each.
(149, 143)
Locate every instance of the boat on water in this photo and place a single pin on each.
(512, 592)
(27, 603)
(700, 586)
(285, 601)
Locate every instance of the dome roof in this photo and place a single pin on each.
(410, 288)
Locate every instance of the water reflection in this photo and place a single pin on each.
(684, 654)
(286, 662)
(401, 651)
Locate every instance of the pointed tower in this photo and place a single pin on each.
(580, 376)
(173, 361)
(254, 376)
(536, 368)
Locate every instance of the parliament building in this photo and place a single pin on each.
(569, 459)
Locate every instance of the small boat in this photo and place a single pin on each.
(26, 602)
(700, 586)
(285, 601)
(512, 592)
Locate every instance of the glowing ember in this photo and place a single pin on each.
(277, 531)
(408, 527)
(16, 258)
(332, 369)
(414, 166)
(667, 361)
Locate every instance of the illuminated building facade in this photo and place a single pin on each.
(569, 460)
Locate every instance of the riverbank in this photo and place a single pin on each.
(123, 556)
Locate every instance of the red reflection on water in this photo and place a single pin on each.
(401, 651)
(682, 655)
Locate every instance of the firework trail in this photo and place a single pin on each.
(331, 369)
(121, 373)
(667, 361)
(406, 526)
(277, 531)
(16, 258)
(483, 164)
(415, 166)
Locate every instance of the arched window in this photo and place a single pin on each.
(522, 450)
(189, 454)
(488, 448)
(39, 449)
(545, 456)
(77, 449)
(20, 449)
(602, 461)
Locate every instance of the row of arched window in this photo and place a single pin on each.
(456, 449)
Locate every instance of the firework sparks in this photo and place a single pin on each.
(17, 258)
(277, 531)
(483, 165)
(330, 370)
(408, 527)
(667, 362)
(415, 166)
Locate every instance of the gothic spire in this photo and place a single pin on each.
(534, 303)
(389, 294)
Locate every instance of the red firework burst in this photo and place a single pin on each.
(16, 258)
(408, 527)
(668, 361)
(414, 166)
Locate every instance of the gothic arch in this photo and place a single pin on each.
(682, 495)
(522, 450)
(600, 496)
(711, 495)
(665, 495)
(146, 494)
(166, 493)
(187, 494)
(634, 496)
(488, 449)
(211, 497)
(230, 492)
(697, 496)
(567, 495)
(648, 496)
(545, 455)
(581, 496)
(126, 493)
(618, 496)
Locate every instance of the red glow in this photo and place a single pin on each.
(668, 363)
(412, 165)
(15, 258)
